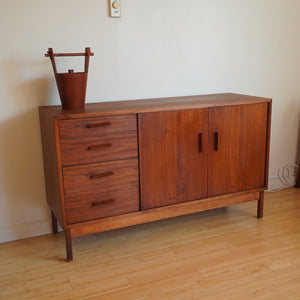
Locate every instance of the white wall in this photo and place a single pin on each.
(158, 48)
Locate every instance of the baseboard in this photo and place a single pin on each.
(275, 182)
(24, 230)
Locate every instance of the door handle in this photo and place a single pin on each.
(200, 143)
(216, 141)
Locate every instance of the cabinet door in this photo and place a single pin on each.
(173, 156)
(237, 148)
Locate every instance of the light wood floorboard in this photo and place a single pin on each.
(220, 254)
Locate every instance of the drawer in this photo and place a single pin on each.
(90, 140)
(103, 148)
(101, 190)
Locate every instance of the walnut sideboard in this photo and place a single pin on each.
(117, 164)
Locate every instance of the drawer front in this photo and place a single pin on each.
(102, 148)
(101, 190)
(89, 140)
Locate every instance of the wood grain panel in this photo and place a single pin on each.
(238, 163)
(90, 140)
(101, 190)
(83, 179)
(173, 157)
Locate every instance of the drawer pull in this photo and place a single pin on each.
(102, 146)
(102, 202)
(103, 124)
(100, 175)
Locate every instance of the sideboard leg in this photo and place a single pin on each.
(54, 223)
(260, 206)
(297, 185)
(68, 238)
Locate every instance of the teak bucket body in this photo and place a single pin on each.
(72, 89)
(71, 86)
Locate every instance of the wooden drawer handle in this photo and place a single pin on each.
(216, 141)
(102, 146)
(200, 147)
(100, 175)
(103, 202)
(103, 124)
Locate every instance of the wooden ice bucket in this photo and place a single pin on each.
(71, 86)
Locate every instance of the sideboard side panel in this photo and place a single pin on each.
(50, 163)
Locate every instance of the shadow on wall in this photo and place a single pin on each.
(23, 205)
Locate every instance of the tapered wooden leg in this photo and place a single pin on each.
(54, 223)
(68, 238)
(260, 206)
(297, 185)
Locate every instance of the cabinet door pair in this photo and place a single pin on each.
(193, 154)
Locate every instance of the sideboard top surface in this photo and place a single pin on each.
(153, 105)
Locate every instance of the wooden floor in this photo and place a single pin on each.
(220, 254)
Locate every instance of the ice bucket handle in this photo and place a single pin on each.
(87, 55)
